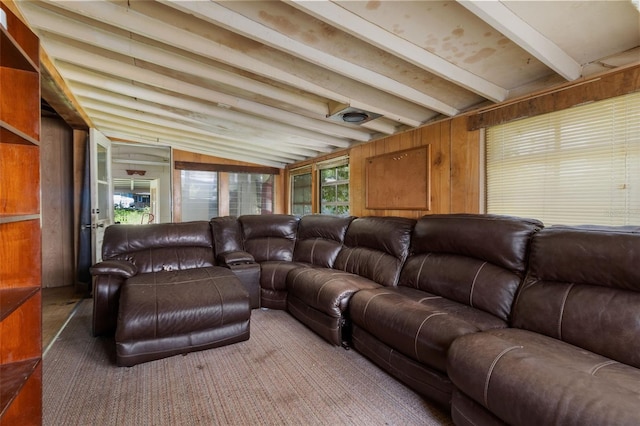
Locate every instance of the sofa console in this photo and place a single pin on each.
(498, 318)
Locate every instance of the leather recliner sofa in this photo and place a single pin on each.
(572, 353)
(445, 299)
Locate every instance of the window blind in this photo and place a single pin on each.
(576, 166)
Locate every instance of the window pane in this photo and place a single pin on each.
(334, 190)
(199, 195)
(328, 175)
(342, 193)
(343, 172)
(250, 193)
(329, 194)
(301, 194)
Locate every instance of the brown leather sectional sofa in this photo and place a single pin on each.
(499, 318)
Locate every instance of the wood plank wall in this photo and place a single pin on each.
(454, 177)
(56, 163)
(457, 184)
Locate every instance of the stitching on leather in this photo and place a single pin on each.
(313, 249)
(493, 364)
(273, 277)
(420, 270)
(155, 298)
(564, 301)
(429, 298)
(346, 263)
(473, 284)
(375, 266)
(415, 339)
(221, 305)
(366, 306)
(463, 415)
(268, 248)
(597, 368)
(323, 286)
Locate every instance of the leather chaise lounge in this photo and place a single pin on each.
(159, 290)
(498, 318)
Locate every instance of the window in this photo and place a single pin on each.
(334, 187)
(250, 193)
(199, 195)
(576, 166)
(301, 198)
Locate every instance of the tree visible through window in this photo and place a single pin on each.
(334, 190)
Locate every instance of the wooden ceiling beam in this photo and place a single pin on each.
(219, 15)
(359, 27)
(324, 133)
(162, 119)
(55, 23)
(128, 19)
(138, 23)
(53, 88)
(148, 126)
(500, 17)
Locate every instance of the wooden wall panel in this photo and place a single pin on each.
(466, 168)
(20, 258)
(56, 154)
(593, 88)
(16, 167)
(77, 172)
(457, 152)
(439, 137)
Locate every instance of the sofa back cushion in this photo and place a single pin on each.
(376, 248)
(160, 246)
(320, 238)
(477, 260)
(269, 237)
(583, 287)
(227, 234)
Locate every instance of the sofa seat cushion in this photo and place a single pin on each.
(527, 378)
(418, 324)
(326, 290)
(170, 312)
(273, 282)
(273, 274)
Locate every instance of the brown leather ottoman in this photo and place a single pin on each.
(167, 313)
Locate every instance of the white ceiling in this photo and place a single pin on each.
(256, 80)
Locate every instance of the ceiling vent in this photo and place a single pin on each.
(348, 114)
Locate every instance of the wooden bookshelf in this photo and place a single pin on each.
(20, 232)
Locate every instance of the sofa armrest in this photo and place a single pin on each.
(121, 268)
(233, 258)
(109, 277)
(106, 299)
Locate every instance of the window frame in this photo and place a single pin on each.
(334, 163)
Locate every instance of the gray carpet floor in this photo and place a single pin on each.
(284, 374)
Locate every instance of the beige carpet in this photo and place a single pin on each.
(284, 374)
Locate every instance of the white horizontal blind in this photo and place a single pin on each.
(250, 193)
(576, 166)
(199, 192)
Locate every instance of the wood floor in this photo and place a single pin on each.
(57, 304)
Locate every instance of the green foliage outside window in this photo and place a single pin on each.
(334, 190)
